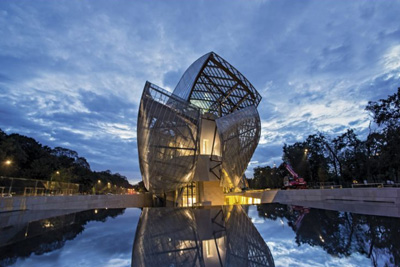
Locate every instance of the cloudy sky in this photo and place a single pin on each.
(72, 72)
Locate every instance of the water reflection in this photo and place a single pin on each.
(296, 236)
(341, 234)
(223, 236)
(40, 232)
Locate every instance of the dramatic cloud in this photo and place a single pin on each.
(72, 72)
(281, 240)
(108, 243)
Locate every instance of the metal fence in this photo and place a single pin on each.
(10, 186)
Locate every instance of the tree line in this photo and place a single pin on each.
(341, 234)
(23, 240)
(347, 158)
(24, 157)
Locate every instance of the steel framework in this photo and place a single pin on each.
(189, 237)
(169, 125)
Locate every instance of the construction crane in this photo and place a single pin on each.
(294, 181)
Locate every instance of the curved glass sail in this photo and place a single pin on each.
(168, 130)
(188, 79)
(215, 86)
(170, 126)
(239, 133)
(218, 236)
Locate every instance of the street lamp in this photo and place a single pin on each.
(7, 162)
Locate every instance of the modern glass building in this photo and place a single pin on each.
(217, 236)
(195, 144)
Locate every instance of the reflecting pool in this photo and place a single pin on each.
(263, 235)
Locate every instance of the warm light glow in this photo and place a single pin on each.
(208, 249)
(305, 150)
(98, 181)
(205, 146)
(8, 162)
(95, 211)
(57, 172)
(321, 238)
(241, 200)
(47, 224)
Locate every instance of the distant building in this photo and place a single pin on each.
(195, 144)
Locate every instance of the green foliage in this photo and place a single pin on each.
(139, 187)
(267, 177)
(340, 234)
(29, 159)
(346, 158)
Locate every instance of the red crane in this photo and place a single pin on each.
(293, 182)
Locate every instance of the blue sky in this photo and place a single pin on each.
(72, 72)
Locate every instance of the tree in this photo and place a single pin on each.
(317, 156)
(353, 155)
(386, 113)
(296, 156)
(32, 160)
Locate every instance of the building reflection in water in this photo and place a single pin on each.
(218, 236)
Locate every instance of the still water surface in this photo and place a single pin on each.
(263, 235)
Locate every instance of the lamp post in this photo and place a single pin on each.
(8, 163)
(98, 187)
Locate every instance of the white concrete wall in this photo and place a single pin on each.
(373, 201)
(81, 202)
(207, 133)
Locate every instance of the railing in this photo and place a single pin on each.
(392, 185)
(379, 185)
(324, 185)
(10, 186)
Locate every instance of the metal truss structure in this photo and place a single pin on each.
(219, 236)
(216, 86)
(168, 130)
(169, 125)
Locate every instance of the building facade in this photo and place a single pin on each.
(197, 141)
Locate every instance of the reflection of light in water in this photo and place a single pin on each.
(220, 236)
(47, 224)
(240, 200)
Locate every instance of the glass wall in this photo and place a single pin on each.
(239, 133)
(168, 130)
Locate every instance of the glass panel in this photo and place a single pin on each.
(239, 133)
(168, 130)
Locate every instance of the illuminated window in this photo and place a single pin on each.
(205, 146)
(208, 249)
